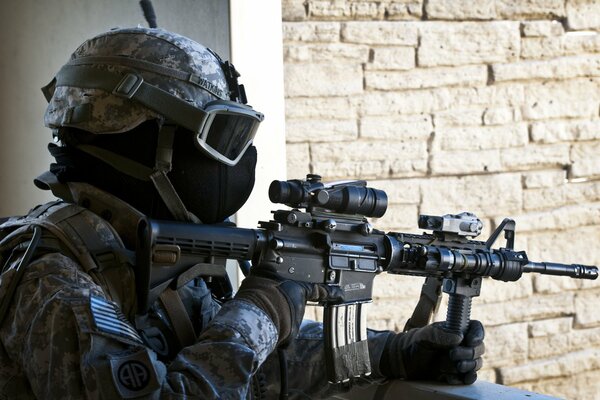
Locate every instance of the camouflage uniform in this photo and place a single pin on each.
(69, 332)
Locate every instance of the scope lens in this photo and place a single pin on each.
(287, 192)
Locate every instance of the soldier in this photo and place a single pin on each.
(148, 123)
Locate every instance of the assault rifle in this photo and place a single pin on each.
(326, 238)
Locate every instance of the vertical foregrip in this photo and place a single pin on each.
(459, 313)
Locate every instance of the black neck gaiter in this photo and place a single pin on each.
(211, 190)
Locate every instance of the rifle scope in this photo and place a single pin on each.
(352, 198)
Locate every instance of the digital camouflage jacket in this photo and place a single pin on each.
(70, 331)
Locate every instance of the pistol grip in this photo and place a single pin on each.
(346, 347)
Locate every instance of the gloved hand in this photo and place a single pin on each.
(434, 353)
(284, 300)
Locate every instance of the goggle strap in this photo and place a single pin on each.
(169, 196)
(133, 86)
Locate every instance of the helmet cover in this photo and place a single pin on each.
(152, 53)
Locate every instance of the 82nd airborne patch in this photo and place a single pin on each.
(133, 374)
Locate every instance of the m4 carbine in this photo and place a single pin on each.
(326, 238)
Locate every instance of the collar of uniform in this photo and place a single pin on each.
(123, 217)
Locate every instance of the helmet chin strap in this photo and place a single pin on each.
(168, 194)
(158, 174)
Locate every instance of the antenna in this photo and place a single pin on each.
(149, 14)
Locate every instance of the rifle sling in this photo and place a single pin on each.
(182, 325)
(429, 301)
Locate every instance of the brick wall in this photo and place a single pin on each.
(450, 105)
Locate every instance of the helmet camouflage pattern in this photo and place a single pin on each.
(168, 61)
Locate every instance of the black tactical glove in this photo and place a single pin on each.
(434, 353)
(284, 300)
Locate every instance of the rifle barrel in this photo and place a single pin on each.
(572, 270)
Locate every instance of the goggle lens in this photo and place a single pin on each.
(229, 134)
(228, 130)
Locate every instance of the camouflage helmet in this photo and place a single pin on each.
(98, 89)
(122, 78)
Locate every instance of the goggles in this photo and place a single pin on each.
(227, 130)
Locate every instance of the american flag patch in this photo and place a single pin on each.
(108, 318)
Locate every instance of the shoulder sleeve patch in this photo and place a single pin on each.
(133, 374)
(109, 319)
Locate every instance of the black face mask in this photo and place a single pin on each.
(211, 190)
(208, 188)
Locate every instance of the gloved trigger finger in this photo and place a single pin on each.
(322, 292)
